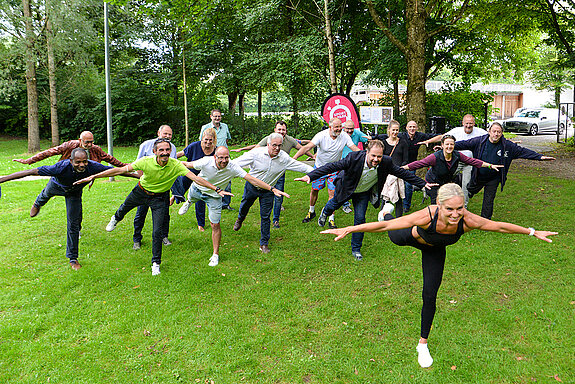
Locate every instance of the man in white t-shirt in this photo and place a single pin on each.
(330, 144)
(466, 132)
(220, 171)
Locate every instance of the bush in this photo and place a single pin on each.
(455, 101)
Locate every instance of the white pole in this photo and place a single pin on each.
(108, 91)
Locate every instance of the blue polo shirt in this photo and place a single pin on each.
(64, 175)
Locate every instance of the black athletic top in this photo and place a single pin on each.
(431, 236)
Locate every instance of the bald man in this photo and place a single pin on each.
(85, 141)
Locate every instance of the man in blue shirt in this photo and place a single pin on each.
(64, 174)
(223, 135)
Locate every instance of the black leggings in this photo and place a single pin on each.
(432, 263)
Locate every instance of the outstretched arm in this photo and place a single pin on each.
(246, 148)
(19, 175)
(419, 218)
(108, 173)
(258, 183)
(474, 221)
(204, 183)
(303, 150)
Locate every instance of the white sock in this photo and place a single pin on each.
(312, 208)
(331, 217)
(423, 356)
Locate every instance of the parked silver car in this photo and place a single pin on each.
(535, 120)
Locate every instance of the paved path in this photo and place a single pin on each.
(540, 143)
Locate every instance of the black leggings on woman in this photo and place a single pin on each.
(432, 263)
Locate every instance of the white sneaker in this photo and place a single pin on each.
(346, 209)
(112, 224)
(387, 208)
(184, 208)
(423, 356)
(155, 269)
(214, 260)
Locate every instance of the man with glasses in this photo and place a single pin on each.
(195, 151)
(223, 135)
(267, 164)
(219, 171)
(152, 191)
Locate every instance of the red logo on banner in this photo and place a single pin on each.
(340, 106)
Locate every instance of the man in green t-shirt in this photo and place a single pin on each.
(153, 190)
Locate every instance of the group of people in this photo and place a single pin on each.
(381, 174)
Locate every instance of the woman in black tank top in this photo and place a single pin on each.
(431, 230)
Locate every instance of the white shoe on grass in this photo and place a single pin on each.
(112, 224)
(423, 356)
(214, 260)
(155, 269)
(184, 208)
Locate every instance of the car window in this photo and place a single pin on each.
(529, 114)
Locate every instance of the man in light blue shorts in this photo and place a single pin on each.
(219, 171)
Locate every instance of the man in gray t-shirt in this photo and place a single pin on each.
(288, 144)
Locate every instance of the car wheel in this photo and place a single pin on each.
(533, 130)
(561, 128)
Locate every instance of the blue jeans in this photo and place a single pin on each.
(278, 200)
(266, 197)
(181, 185)
(408, 194)
(140, 220)
(73, 214)
(360, 202)
(159, 204)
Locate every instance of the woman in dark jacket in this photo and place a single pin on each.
(443, 165)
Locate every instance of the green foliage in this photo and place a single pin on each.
(455, 101)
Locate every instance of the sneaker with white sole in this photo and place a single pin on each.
(214, 260)
(112, 224)
(184, 208)
(322, 218)
(155, 269)
(346, 209)
(387, 208)
(423, 356)
(166, 241)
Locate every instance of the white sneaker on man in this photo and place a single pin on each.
(184, 208)
(423, 356)
(112, 224)
(155, 269)
(214, 260)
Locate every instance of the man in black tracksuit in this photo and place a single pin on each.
(494, 149)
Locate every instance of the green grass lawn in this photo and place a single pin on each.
(305, 313)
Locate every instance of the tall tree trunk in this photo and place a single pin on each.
(415, 56)
(232, 100)
(52, 80)
(330, 48)
(350, 81)
(557, 96)
(396, 111)
(260, 103)
(242, 106)
(31, 88)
